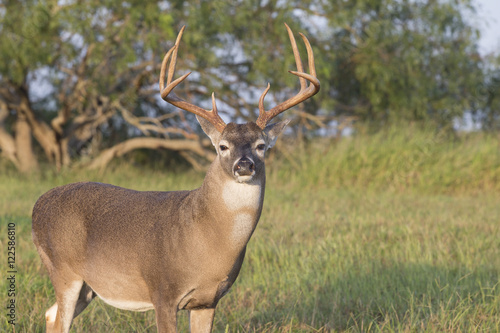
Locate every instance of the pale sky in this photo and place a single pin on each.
(489, 24)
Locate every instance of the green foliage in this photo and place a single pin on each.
(403, 60)
(380, 60)
(56, 37)
(25, 39)
(489, 116)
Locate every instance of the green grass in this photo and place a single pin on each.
(400, 160)
(376, 233)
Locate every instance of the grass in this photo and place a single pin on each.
(400, 160)
(397, 232)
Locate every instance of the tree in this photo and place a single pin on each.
(96, 62)
(488, 97)
(412, 61)
(80, 77)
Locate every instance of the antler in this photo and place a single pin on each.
(304, 93)
(169, 96)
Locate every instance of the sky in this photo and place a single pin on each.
(489, 24)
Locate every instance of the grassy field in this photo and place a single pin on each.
(392, 233)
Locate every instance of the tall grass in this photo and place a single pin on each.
(396, 232)
(399, 159)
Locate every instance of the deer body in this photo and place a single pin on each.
(166, 251)
(156, 239)
(170, 250)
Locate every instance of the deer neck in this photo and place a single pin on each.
(232, 209)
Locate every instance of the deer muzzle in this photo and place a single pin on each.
(244, 167)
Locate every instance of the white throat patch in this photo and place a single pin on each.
(241, 195)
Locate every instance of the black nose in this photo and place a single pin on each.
(244, 167)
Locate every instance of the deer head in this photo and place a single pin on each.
(241, 148)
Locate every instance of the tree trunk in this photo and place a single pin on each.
(42, 132)
(24, 149)
(7, 143)
(8, 147)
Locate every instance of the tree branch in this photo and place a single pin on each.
(101, 161)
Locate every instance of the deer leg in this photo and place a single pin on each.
(166, 319)
(86, 296)
(201, 320)
(60, 315)
(50, 318)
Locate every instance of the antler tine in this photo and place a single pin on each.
(305, 91)
(169, 96)
(296, 55)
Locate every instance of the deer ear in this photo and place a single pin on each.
(209, 130)
(272, 132)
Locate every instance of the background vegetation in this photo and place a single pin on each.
(392, 227)
(78, 79)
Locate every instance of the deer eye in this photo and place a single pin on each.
(261, 146)
(222, 147)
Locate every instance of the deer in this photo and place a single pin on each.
(167, 251)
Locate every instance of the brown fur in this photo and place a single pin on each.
(163, 250)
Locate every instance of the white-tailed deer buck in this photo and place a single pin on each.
(166, 251)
